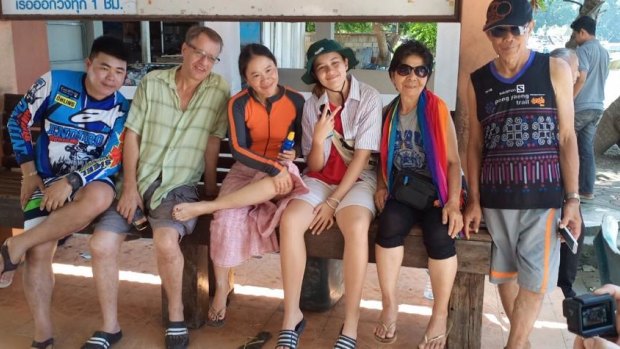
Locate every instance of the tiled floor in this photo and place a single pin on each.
(256, 306)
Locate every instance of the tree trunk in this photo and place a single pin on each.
(589, 8)
(384, 53)
(608, 130)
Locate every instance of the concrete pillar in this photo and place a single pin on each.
(447, 57)
(228, 67)
(30, 52)
(475, 51)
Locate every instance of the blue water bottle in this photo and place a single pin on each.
(289, 142)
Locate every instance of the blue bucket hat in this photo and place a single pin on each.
(325, 46)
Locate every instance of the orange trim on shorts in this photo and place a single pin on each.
(503, 274)
(548, 234)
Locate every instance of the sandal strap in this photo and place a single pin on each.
(102, 340)
(288, 339)
(41, 345)
(9, 265)
(345, 342)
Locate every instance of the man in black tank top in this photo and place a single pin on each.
(522, 161)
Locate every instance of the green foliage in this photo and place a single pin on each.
(310, 27)
(353, 27)
(424, 32)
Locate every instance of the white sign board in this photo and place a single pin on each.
(283, 9)
(69, 7)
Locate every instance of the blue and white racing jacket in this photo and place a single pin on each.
(79, 134)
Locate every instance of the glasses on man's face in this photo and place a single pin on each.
(502, 31)
(420, 71)
(202, 54)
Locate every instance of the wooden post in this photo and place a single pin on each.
(465, 311)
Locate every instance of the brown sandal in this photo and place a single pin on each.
(386, 329)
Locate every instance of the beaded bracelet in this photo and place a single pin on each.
(330, 205)
(333, 199)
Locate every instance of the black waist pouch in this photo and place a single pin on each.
(414, 189)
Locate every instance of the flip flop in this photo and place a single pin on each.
(43, 345)
(439, 337)
(258, 341)
(8, 263)
(386, 329)
(216, 318)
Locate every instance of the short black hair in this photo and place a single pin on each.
(250, 50)
(410, 48)
(584, 22)
(110, 46)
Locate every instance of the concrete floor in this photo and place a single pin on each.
(256, 306)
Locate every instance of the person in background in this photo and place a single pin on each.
(569, 261)
(263, 179)
(67, 173)
(341, 129)
(589, 94)
(418, 145)
(522, 163)
(173, 133)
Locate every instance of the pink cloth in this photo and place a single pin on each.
(241, 233)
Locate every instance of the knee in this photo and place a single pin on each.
(41, 254)
(439, 249)
(167, 249)
(99, 199)
(103, 247)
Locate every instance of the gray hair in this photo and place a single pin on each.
(564, 53)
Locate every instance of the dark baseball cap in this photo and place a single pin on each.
(324, 46)
(508, 12)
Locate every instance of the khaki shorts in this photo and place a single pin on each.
(526, 247)
(361, 194)
(160, 217)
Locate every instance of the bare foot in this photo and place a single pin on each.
(217, 311)
(436, 333)
(6, 279)
(187, 211)
(385, 332)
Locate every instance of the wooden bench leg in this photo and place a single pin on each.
(195, 285)
(465, 311)
(323, 284)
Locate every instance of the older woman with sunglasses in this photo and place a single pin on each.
(419, 183)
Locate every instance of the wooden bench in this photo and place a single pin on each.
(466, 302)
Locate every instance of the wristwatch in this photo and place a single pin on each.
(572, 196)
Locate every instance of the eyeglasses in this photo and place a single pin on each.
(202, 54)
(420, 71)
(502, 31)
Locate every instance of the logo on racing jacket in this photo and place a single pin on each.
(108, 117)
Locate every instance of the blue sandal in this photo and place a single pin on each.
(290, 338)
(345, 342)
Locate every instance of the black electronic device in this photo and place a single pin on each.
(591, 315)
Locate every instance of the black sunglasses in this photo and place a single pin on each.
(420, 71)
(502, 31)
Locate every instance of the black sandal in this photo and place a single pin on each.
(177, 335)
(40, 345)
(102, 340)
(290, 338)
(8, 264)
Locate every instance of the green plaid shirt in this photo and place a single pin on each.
(173, 142)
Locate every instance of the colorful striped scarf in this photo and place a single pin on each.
(432, 114)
